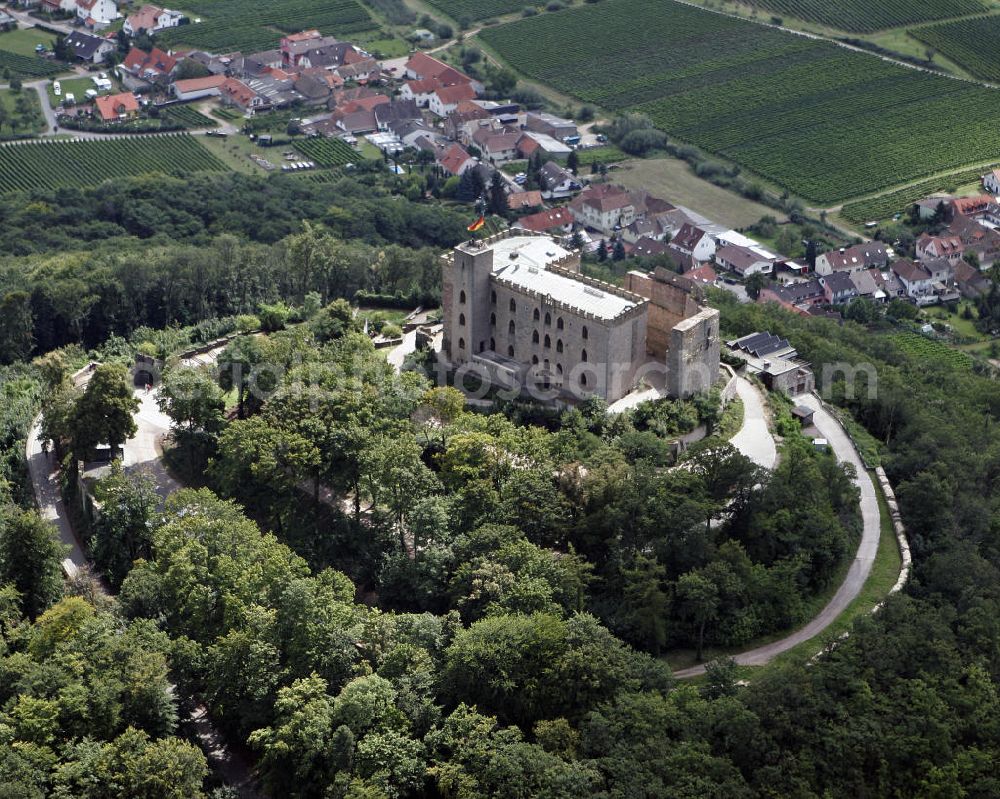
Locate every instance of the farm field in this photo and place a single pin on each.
(189, 117)
(931, 351)
(897, 202)
(250, 26)
(973, 44)
(821, 121)
(53, 164)
(35, 121)
(867, 16)
(327, 152)
(673, 180)
(28, 67)
(477, 9)
(23, 41)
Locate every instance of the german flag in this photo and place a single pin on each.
(477, 224)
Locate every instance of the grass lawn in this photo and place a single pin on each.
(672, 179)
(23, 40)
(77, 87)
(961, 326)
(8, 99)
(235, 151)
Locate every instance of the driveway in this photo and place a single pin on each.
(859, 569)
(143, 452)
(754, 439)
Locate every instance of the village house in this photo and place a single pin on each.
(741, 260)
(497, 146)
(795, 297)
(197, 88)
(991, 182)
(556, 221)
(445, 99)
(531, 143)
(557, 183)
(455, 160)
(695, 243)
(838, 288)
(386, 114)
(604, 208)
(88, 48)
(853, 259)
(117, 107)
(550, 125)
(932, 247)
(256, 64)
(970, 281)
(150, 19)
(916, 280)
(868, 284)
(969, 206)
(421, 66)
(154, 66)
(518, 201)
(648, 248)
(461, 122)
(294, 46)
(980, 241)
(96, 14)
(236, 93)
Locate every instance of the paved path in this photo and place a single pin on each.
(143, 452)
(45, 480)
(859, 570)
(754, 439)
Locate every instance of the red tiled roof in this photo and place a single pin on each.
(524, 199)
(198, 84)
(453, 94)
(239, 92)
(454, 158)
(546, 220)
(114, 105)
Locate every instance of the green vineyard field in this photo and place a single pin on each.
(884, 206)
(24, 66)
(865, 16)
(327, 152)
(477, 9)
(250, 26)
(189, 117)
(931, 351)
(973, 44)
(821, 121)
(53, 164)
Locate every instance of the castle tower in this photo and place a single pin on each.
(465, 301)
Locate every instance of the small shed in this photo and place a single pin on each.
(820, 444)
(804, 414)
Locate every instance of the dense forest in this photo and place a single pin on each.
(483, 616)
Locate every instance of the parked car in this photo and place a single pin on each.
(57, 89)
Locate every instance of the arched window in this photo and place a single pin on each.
(535, 315)
(461, 319)
(548, 319)
(461, 343)
(493, 345)
(493, 320)
(583, 380)
(510, 351)
(546, 363)
(461, 296)
(584, 334)
(559, 369)
(493, 298)
(548, 342)
(534, 360)
(583, 356)
(559, 345)
(534, 337)
(510, 328)
(559, 323)
(513, 306)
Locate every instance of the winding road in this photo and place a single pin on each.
(861, 566)
(754, 439)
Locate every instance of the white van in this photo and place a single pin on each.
(57, 88)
